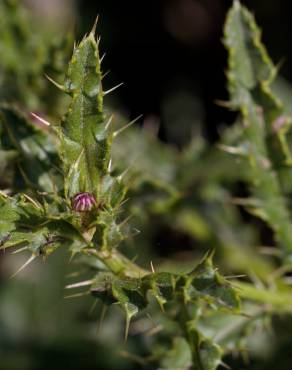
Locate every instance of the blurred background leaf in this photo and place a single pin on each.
(183, 188)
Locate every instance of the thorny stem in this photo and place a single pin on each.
(188, 327)
(277, 301)
(118, 263)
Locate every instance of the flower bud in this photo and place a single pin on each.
(83, 202)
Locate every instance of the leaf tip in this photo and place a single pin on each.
(93, 30)
(236, 4)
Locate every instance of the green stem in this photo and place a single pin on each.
(280, 301)
(118, 263)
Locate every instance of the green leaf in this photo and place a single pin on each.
(7, 158)
(101, 288)
(112, 191)
(35, 148)
(107, 234)
(123, 291)
(209, 354)
(250, 74)
(161, 286)
(85, 134)
(206, 354)
(249, 61)
(111, 289)
(23, 53)
(178, 357)
(25, 222)
(21, 224)
(8, 217)
(209, 284)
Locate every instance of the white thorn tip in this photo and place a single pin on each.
(113, 89)
(127, 126)
(40, 119)
(109, 166)
(109, 122)
(78, 285)
(59, 86)
(94, 25)
(19, 250)
(102, 58)
(23, 266)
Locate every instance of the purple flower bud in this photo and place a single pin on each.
(83, 202)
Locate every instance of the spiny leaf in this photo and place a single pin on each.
(209, 283)
(250, 73)
(22, 225)
(110, 289)
(161, 286)
(16, 210)
(206, 354)
(209, 354)
(25, 222)
(36, 149)
(124, 291)
(178, 357)
(250, 64)
(108, 233)
(84, 133)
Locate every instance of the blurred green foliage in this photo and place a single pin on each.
(174, 240)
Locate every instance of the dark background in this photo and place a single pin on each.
(161, 47)
(171, 59)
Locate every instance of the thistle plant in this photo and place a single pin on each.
(67, 185)
(84, 214)
(250, 76)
